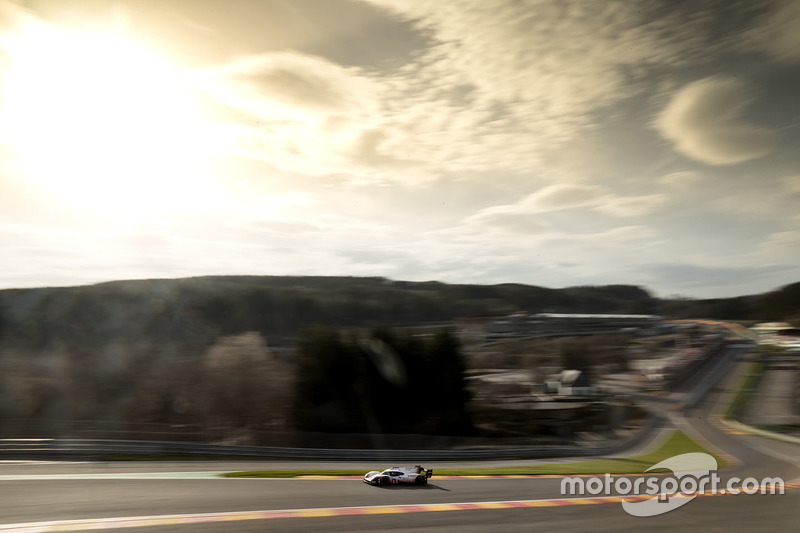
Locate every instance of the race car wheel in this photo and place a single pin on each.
(384, 481)
(421, 480)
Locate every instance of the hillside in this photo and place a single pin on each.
(182, 316)
(155, 355)
(186, 314)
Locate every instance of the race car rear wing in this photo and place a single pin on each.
(429, 473)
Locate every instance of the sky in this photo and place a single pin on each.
(547, 142)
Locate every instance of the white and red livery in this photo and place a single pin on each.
(397, 474)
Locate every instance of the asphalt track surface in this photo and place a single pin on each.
(152, 491)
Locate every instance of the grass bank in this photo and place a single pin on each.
(676, 444)
(748, 382)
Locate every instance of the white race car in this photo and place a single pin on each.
(396, 474)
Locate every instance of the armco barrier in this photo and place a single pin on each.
(93, 449)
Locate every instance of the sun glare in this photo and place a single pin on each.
(103, 122)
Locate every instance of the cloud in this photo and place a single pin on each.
(681, 178)
(288, 85)
(14, 18)
(564, 54)
(701, 278)
(387, 258)
(776, 32)
(499, 79)
(792, 184)
(780, 246)
(631, 206)
(498, 87)
(525, 216)
(302, 113)
(564, 196)
(513, 218)
(534, 74)
(141, 240)
(619, 238)
(266, 227)
(763, 202)
(466, 253)
(704, 122)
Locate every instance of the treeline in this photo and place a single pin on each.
(235, 387)
(184, 316)
(236, 354)
(382, 382)
(783, 304)
(376, 383)
(780, 304)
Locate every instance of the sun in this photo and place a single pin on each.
(103, 122)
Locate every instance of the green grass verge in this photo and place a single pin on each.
(676, 444)
(296, 473)
(748, 381)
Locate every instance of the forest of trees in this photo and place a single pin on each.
(186, 315)
(381, 382)
(238, 354)
(235, 387)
